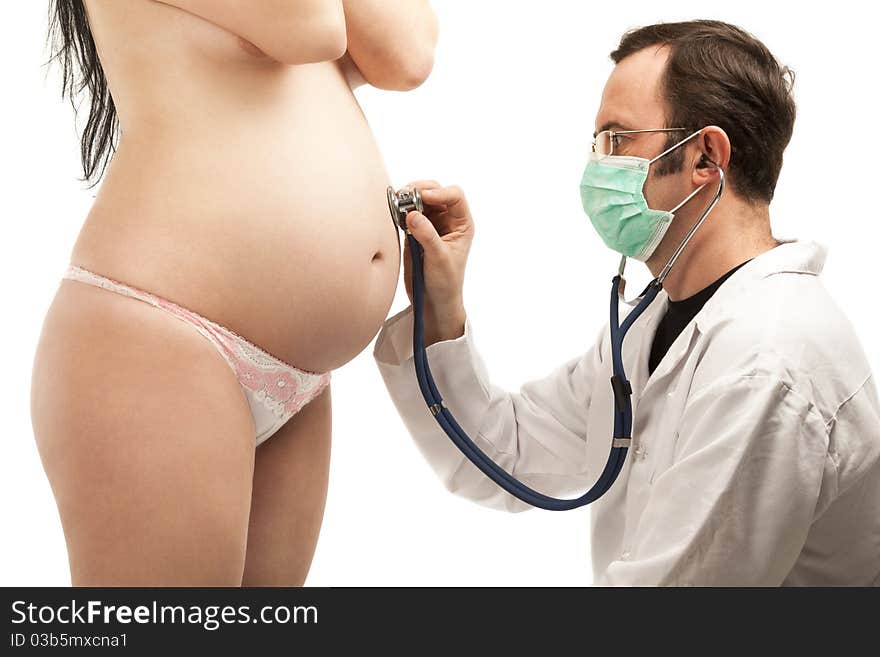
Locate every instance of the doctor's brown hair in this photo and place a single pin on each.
(719, 74)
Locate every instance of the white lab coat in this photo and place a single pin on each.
(756, 441)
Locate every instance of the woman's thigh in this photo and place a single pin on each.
(289, 493)
(147, 441)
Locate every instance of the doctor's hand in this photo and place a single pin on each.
(445, 232)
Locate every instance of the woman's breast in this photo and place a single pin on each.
(253, 194)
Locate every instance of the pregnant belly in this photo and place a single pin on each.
(276, 228)
(312, 286)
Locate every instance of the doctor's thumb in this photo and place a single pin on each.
(424, 232)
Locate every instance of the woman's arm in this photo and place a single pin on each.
(392, 41)
(290, 32)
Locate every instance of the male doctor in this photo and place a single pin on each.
(755, 457)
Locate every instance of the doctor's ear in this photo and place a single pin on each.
(714, 152)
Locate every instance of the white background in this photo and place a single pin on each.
(507, 114)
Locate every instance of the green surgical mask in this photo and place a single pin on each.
(612, 194)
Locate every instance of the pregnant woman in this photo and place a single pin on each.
(239, 249)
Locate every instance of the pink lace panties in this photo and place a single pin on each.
(275, 390)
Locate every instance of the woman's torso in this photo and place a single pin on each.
(248, 191)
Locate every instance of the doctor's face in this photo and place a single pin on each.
(633, 100)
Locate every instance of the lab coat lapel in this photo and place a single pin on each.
(760, 266)
(641, 337)
(678, 350)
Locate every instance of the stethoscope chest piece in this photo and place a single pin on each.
(401, 203)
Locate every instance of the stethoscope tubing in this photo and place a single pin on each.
(623, 416)
(465, 444)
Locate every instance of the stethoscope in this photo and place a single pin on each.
(407, 200)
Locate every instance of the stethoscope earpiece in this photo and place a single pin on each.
(705, 162)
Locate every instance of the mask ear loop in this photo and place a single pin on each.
(687, 238)
(658, 282)
(665, 272)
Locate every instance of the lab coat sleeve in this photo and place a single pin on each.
(538, 434)
(736, 506)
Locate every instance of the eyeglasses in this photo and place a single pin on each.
(606, 141)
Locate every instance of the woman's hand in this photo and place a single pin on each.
(445, 233)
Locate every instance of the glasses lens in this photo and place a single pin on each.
(602, 144)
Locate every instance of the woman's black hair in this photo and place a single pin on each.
(71, 43)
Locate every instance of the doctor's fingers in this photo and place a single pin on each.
(424, 184)
(443, 223)
(425, 233)
(451, 197)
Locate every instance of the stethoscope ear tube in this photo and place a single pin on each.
(463, 442)
(620, 386)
